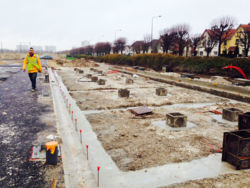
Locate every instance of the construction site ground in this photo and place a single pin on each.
(141, 142)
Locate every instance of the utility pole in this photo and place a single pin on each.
(152, 25)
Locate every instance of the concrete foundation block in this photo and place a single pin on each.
(94, 78)
(241, 82)
(101, 82)
(89, 75)
(81, 71)
(244, 121)
(161, 92)
(236, 148)
(129, 81)
(123, 93)
(231, 114)
(45, 92)
(176, 120)
(46, 80)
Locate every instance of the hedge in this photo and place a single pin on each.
(198, 65)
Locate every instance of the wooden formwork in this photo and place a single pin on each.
(236, 148)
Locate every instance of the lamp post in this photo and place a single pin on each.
(152, 24)
(116, 32)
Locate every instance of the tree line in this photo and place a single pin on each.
(176, 39)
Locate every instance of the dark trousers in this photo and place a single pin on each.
(33, 79)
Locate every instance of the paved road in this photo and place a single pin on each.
(19, 126)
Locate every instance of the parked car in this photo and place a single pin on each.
(46, 57)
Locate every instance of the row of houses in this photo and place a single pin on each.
(208, 45)
(229, 46)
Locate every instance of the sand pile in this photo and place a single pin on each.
(76, 63)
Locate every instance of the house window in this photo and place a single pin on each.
(201, 53)
(215, 53)
(237, 42)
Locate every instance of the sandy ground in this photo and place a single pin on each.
(12, 55)
(125, 136)
(142, 91)
(223, 181)
(213, 79)
(140, 142)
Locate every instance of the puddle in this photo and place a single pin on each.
(218, 119)
(6, 72)
(164, 126)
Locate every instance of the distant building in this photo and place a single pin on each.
(85, 43)
(140, 47)
(137, 47)
(205, 37)
(233, 46)
(155, 46)
(50, 49)
(22, 48)
(128, 50)
(38, 48)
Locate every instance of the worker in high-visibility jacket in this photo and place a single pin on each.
(34, 66)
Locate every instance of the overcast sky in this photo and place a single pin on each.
(65, 23)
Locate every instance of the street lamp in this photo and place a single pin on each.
(152, 29)
(117, 31)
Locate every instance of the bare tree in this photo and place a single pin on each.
(137, 46)
(119, 45)
(103, 48)
(182, 36)
(210, 42)
(167, 38)
(107, 47)
(146, 43)
(222, 28)
(244, 38)
(88, 50)
(195, 39)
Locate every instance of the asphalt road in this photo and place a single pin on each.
(19, 126)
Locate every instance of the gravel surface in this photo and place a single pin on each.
(20, 124)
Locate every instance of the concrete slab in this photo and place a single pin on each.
(76, 167)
